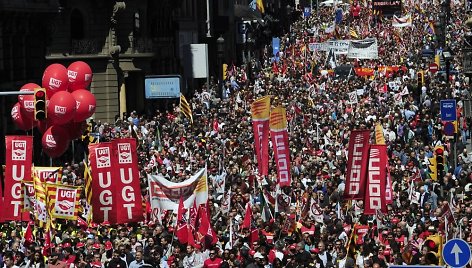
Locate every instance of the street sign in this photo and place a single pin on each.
(449, 129)
(433, 68)
(448, 110)
(306, 12)
(456, 253)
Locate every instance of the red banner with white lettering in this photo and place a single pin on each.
(260, 110)
(128, 191)
(376, 180)
(18, 162)
(358, 151)
(279, 136)
(103, 187)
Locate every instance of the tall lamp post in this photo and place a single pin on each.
(250, 46)
(220, 48)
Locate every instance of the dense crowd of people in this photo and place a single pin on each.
(320, 116)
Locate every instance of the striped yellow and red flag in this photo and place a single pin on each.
(40, 211)
(185, 108)
(88, 212)
(379, 136)
(63, 201)
(260, 108)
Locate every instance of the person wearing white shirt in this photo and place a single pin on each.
(138, 262)
(192, 259)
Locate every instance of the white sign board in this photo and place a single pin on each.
(196, 61)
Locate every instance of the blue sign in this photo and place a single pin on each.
(275, 46)
(449, 129)
(162, 86)
(307, 12)
(456, 253)
(448, 110)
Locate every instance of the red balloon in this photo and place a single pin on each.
(55, 79)
(61, 108)
(55, 141)
(21, 121)
(27, 106)
(27, 87)
(76, 129)
(80, 75)
(85, 103)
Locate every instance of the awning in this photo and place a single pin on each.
(128, 66)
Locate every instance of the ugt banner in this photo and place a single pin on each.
(103, 186)
(279, 135)
(128, 194)
(376, 180)
(358, 151)
(63, 201)
(19, 157)
(260, 110)
(165, 195)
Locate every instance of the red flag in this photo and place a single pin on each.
(47, 243)
(82, 223)
(275, 69)
(247, 217)
(182, 226)
(193, 216)
(29, 234)
(254, 236)
(205, 229)
(279, 136)
(191, 238)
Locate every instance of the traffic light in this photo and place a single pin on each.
(40, 110)
(440, 160)
(420, 79)
(434, 245)
(433, 169)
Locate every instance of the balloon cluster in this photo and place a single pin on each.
(69, 104)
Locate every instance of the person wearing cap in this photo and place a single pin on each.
(54, 262)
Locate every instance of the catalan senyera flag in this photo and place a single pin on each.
(40, 211)
(185, 108)
(260, 6)
(63, 201)
(353, 33)
(260, 110)
(87, 211)
(379, 136)
(279, 136)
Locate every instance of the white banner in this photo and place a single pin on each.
(363, 49)
(338, 46)
(352, 97)
(165, 195)
(400, 22)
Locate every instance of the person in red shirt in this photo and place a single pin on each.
(214, 261)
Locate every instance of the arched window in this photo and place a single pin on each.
(76, 25)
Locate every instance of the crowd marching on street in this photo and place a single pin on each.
(252, 219)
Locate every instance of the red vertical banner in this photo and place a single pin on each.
(18, 162)
(103, 187)
(358, 151)
(279, 136)
(127, 197)
(260, 110)
(376, 180)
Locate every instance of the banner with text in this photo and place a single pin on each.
(363, 49)
(376, 180)
(48, 174)
(337, 46)
(165, 195)
(18, 162)
(279, 135)
(358, 151)
(129, 200)
(103, 187)
(260, 110)
(63, 201)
